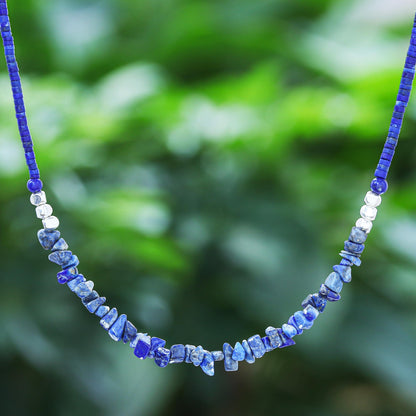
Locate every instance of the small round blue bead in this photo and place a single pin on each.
(379, 186)
(34, 185)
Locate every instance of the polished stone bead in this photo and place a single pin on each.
(274, 336)
(162, 357)
(266, 342)
(291, 321)
(90, 297)
(62, 258)
(109, 319)
(364, 225)
(249, 357)
(329, 294)
(229, 363)
(102, 310)
(94, 305)
(310, 313)
(289, 330)
(43, 211)
(207, 364)
(130, 332)
(155, 343)
(133, 342)
(47, 238)
(238, 353)
(301, 320)
(177, 353)
(197, 355)
(257, 346)
(334, 282)
(357, 235)
(286, 341)
(320, 302)
(344, 272)
(60, 245)
(352, 247)
(66, 275)
(38, 198)
(74, 262)
(371, 199)
(34, 185)
(354, 259)
(50, 223)
(117, 329)
(217, 355)
(143, 344)
(84, 288)
(379, 186)
(72, 284)
(368, 213)
(188, 350)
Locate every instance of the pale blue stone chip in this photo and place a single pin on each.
(257, 346)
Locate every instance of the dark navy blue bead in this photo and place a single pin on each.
(108, 319)
(229, 363)
(357, 235)
(155, 343)
(102, 310)
(266, 343)
(344, 272)
(274, 336)
(72, 284)
(34, 185)
(62, 258)
(130, 332)
(162, 357)
(47, 238)
(117, 329)
(238, 353)
(90, 297)
(207, 364)
(143, 346)
(177, 353)
(67, 275)
(291, 321)
(257, 346)
(94, 305)
(352, 247)
(217, 355)
(60, 245)
(188, 350)
(197, 356)
(249, 356)
(310, 313)
(286, 341)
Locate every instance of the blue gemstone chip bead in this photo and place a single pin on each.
(61, 258)
(130, 332)
(207, 364)
(229, 363)
(72, 284)
(357, 235)
(343, 271)
(217, 355)
(60, 245)
(94, 305)
(238, 353)
(162, 357)
(257, 346)
(66, 275)
(249, 356)
(155, 343)
(117, 329)
(286, 341)
(188, 350)
(334, 282)
(143, 345)
(90, 297)
(84, 288)
(102, 310)
(274, 337)
(197, 355)
(109, 319)
(47, 238)
(177, 353)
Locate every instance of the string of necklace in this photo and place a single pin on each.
(146, 346)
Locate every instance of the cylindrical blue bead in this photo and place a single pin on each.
(382, 174)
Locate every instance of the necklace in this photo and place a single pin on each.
(145, 346)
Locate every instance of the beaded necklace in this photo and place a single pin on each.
(145, 346)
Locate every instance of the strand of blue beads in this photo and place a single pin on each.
(34, 184)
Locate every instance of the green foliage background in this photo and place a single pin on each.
(207, 160)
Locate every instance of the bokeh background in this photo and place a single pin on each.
(207, 160)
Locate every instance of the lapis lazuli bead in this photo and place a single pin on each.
(95, 304)
(142, 348)
(238, 353)
(329, 294)
(47, 238)
(72, 284)
(64, 276)
(117, 329)
(352, 247)
(155, 343)
(109, 319)
(357, 235)
(102, 310)
(291, 321)
(73, 262)
(301, 320)
(229, 363)
(379, 186)
(289, 330)
(320, 302)
(90, 297)
(257, 346)
(249, 357)
(62, 258)
(334, 282)
(60, 245)
(130, 332)
(274, 336)
(162, 357)
(34, 185)
(217, 355)
(207, 364)
(177, 353)
(188, 350)
(343, 271)
(197, 355)
(310, 313)
(84, 288)
(353, 259)
(286, 341)
(266, 343)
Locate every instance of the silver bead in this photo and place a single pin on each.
(50, 223)
(372, 200)
(43, 211)
(364, 224)
(368, 213)
(38, 198)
